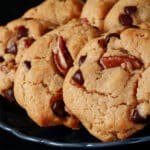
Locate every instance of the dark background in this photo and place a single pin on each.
(9, 10)
(10, 142)
(12, 9)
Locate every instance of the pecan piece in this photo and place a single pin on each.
(61, 56)
(114, 61)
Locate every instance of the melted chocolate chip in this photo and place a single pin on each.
(58, 108)
(12, 49)
(28, 42)
(1, 59)
(27, 64)
(108, 37)
(129, 10)
(125, 20)
(9, 94)
(21, 32)
(102, 43)
(78, 78)
(137, 118)
(82, 59)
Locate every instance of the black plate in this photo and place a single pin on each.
(14, 120)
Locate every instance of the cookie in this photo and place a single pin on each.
(39, 77)
(15, 38)
(95, 11)
(127, 13)
(107, 89)
(57, 12)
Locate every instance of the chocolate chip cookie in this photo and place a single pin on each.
(95, 11)
(127, 13)
(40, 75)
(15, 38)
(57, 12)
(108, 88)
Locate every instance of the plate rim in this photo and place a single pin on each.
(87, 145)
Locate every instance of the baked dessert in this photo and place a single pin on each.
(40, 75)
(107, 89)
(57, 12)
(95, 11)
(127, 13)
(15, 38)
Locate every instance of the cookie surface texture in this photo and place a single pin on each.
(107, 89)
(40, 76)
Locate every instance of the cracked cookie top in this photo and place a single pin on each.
(107, 89)
(39, 78)
(57, 12)
(127, 13)
(17, 36)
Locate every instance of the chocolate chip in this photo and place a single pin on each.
(108, 37)
(9, 94)
(1, 59)
(27, 64)
(28, 42)
(21, 32)
(137, 118)
(129, 10)
(58, 108)
(102, 43)
(82, 59)
(12, 49)
(78, 77)
(125, 20)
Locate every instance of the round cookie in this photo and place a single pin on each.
(15, 38)
(107, 89)
(39, 77)
(95, 11)
(57, 12)
(127, 13)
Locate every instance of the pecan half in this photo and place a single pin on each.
(61, 56)
(114, 61)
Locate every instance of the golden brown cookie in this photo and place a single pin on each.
(15, 38)
(57, 12)
(95, 11)
(107, 89)
(127, 13)
(40, 76)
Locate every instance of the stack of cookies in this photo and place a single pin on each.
(72, 61)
